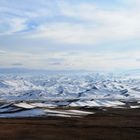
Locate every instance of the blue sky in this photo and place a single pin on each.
(70, 34)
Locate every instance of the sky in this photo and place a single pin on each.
(70, 34)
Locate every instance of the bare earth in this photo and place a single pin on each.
(112, 124)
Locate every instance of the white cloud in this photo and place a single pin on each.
(64, 23)
(63, 60)
(15, 15)
(96, 25)
(12, 25)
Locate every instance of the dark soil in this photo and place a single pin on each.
(112, 124)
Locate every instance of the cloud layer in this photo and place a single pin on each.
(58, 34)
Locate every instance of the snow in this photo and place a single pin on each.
(88, 90)
(135, 106)
(24, 105)
(43, 105)
(26, 113)
(96, 103)
(59, 115)
(79, 112)
(25, 110)
(69, 112)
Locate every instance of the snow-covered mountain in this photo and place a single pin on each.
(69, 87)
(29, 95)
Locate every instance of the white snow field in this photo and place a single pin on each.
(36, 93)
